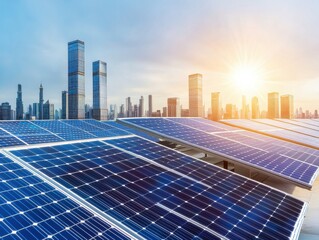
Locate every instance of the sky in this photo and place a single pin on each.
(152, 46)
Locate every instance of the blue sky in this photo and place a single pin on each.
(152, 46)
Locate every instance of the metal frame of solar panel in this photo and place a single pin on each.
(288, 149)
(291, 127)
(161, 193)
(276, 132)
(33, 209)
(295, 171)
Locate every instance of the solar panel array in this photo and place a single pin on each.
(33, 209)
(163, 194)
(296, 170)
(275, 131)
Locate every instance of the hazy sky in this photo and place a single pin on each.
(152, 46)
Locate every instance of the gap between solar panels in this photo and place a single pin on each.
(299, 173)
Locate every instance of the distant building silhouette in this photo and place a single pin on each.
(287, 106)
(35, 110)
(273, 105)
(129, 107)
(99, 90)
(141, 107)
(173, 107)
(255, 112)
(48, 110)
(5, 111)
(215, 106)
(19, 104)
(150, 105)
(164, 114)
(185, 113)
(230, 112)
(65, 105)
(243, 107)
(195, 95)
(76, 79)
(41, 101)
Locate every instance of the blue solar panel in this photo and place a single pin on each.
(32, 209)
(7, 140)
(273, 131)
(168, 195)
(130, 130)
(286, 167)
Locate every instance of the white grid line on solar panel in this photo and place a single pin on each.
(262, 142)
(33, 122)
(29, 206)
(275, 132)
(220, 179)
(299, 172)
(290, 127)
(300, 124)
(7, 139)
(158, 153)
(85, 126)
(309, 122)
(12, 135)
(109, 180)
(21, 127)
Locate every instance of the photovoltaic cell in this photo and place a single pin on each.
(162, 194)
(33, 209)
(7, 140)
(292, 169)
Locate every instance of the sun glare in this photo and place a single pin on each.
(247, 78)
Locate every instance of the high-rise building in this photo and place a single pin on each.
(141, 107)
(48, 110)
(255, 112)
(19, 104)
(150, 105)
(215, 106)
(243, 107)
(195, 95)
(76, 80)
(5, 111)
(122, 111)
(88, 111)
(35, 110)
(65, 105)
(164, 114)
(173, 107)
(230, 112)
(129, 107)
(273, 105)
(99, 90)
(287, 106)
(41, 101)
(28, 115)
(316, 114)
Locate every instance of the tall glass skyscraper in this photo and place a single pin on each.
(273, 105)
(76, 79)
(19, 104)
(65, 111)
(41, 102)
(195, 95)
(99, 91)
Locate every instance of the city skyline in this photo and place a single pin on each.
(145, 70)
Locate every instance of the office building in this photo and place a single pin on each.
(121, 111)
(5, 111)
(65, 105)
(76, 80)
(273, 105)
(287, 106)
(164, 114)
(141, 107)
(19, 104)
(195, 95)
(230, 112)
(99, 90)
(41, 101)
(35, 110)
(185, 113)
(129, 107)
(173, 107)
(215, 106)
(150, 105)
(255, 112)
(48, 110)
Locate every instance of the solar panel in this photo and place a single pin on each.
(291, 127)
(33, 209)
(273, 131)
(300, 124)
(7, 140)
(160, 193)
(300, 173)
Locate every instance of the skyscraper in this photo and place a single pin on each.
(19, 104)
(287, 106)
(255, 112)
(65, 105)
(35, 110)
(195, 95)
(150, 105)
(129, 107)
(243, 107)
(48, 110)
(5, 111)
(76, 79)
(230, 111)
(99, 90)
(215, 106)
(273, 105)
(173, 107)
(41, 100)
(141, 107)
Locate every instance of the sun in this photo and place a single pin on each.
(247, 77)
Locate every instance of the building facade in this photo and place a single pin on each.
(99, 90)
(255, 111)
(19, 104)
(141, 107)
(5, 111)
(65, 105)
(76, 80)
(195, 95)
(173, 107)
(273, 105)
(41, 101)
(287, 106)
(215, 106)
(48, 110)
(150, 105)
